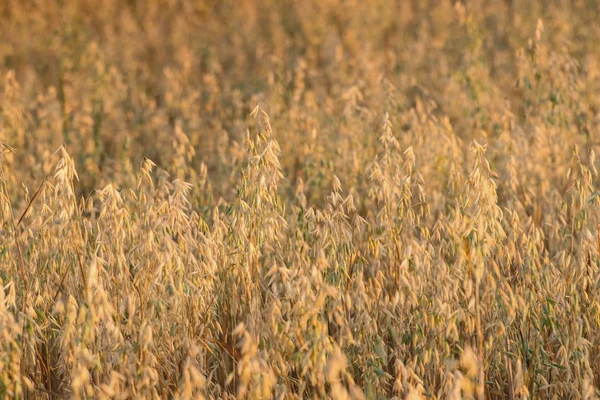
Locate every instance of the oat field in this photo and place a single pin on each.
(298, 199)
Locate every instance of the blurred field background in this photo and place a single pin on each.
(299, 199)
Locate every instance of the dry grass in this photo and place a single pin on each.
(411, 211)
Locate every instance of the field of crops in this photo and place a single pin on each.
(297, 199)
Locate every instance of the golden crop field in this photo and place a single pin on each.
(298, 199)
